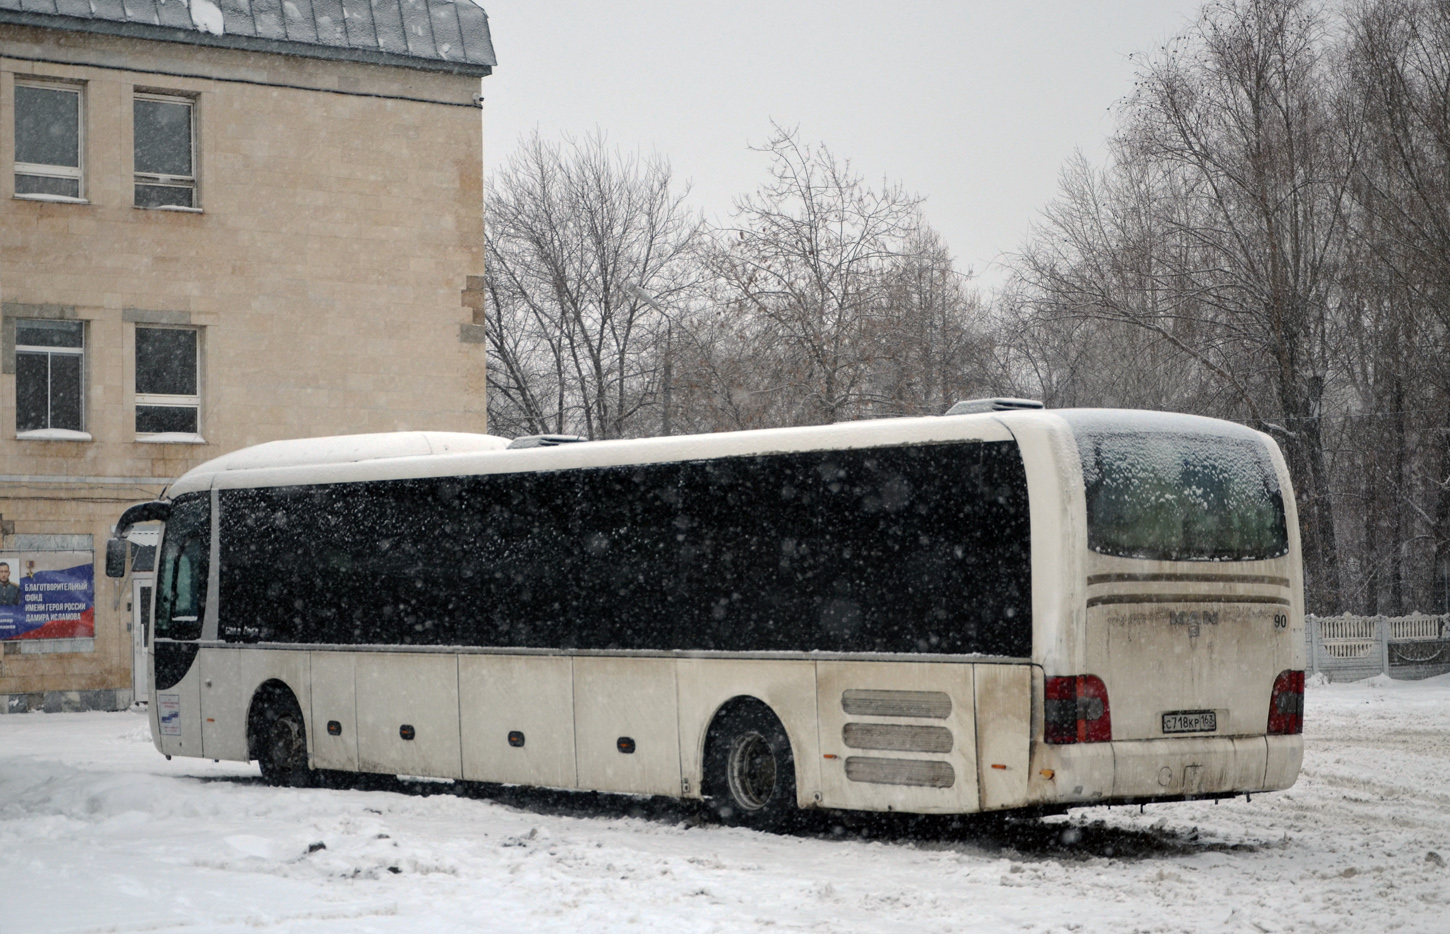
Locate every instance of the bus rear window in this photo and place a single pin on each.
(1181, 496)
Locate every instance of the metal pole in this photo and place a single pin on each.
(668, 376)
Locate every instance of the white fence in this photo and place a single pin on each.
(1349, 648)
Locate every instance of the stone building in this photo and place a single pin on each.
(221, 223)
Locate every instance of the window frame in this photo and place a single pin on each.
(166, 400)
(80, 352)
(190, 182)
(39, 170)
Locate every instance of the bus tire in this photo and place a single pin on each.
(279, 740)
(749, 768)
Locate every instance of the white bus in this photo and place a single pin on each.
(980, 612)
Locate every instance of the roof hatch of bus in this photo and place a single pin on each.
(543, 441)
(999, 404)
(349, 449)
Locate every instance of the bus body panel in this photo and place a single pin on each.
(1285, 758)
(1195, 766)
(902, 736)
(787, 687)
(396, 690)
(528, 695)
(334, 699)
(621, 698)
(1004, 733)
(1188, 766)
(176, 721)
(1059, 538)
(1078, 774)
(1219, 651)
(230, 677)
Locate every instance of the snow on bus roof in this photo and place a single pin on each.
(381, 457)
(348, 449)
(359, 458)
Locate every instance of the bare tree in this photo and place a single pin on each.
(1400, 72)
(574, 231)
(1219, 230)
(933, 346)
(806, 265)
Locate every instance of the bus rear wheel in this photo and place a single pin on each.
(280, 743)
(750, 769)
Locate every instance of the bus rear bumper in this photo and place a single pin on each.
(1181, 767)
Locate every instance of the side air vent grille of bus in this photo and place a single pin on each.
(977, 406)
(923, 773)
(932, 705)
(897, 737)
(544, 441)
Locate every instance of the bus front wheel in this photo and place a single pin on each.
(280, 742)
(750, 768)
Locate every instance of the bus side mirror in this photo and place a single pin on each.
(116, 557)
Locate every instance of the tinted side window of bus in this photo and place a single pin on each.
(911, 549)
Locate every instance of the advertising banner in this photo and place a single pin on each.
(47, 595)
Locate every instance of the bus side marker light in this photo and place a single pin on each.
(334, 728)
(516, 738)
(625, 745)
(832, 755)
(406, 731)
(998, 765)
(1047, 773)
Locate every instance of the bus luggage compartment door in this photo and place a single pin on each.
(333, 701)
(407, 714)
(627, 699)
(518, 719)
(897, 736)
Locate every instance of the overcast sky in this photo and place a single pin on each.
(974, 104)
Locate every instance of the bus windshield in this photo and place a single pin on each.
(1166, 489)
(185, 554)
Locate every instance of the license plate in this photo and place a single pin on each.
(1190, 721)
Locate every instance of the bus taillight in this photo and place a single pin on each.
(1077, 710)
(1286, 704)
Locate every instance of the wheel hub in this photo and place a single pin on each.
(751, 771)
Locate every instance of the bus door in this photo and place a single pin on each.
(142, 547)
(183, 568)
(141, 590)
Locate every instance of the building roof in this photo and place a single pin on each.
(435, 35)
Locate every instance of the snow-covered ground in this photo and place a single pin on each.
(100, 833)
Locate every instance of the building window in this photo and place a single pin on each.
(48, 142)
(168, 394)
(49, 375)
(165, 139)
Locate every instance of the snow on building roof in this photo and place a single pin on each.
(436, 35)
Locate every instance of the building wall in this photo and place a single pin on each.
(338, 225)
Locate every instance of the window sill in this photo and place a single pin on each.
(58, 199)
(174, 208)
(53, 434)
(171, 437)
